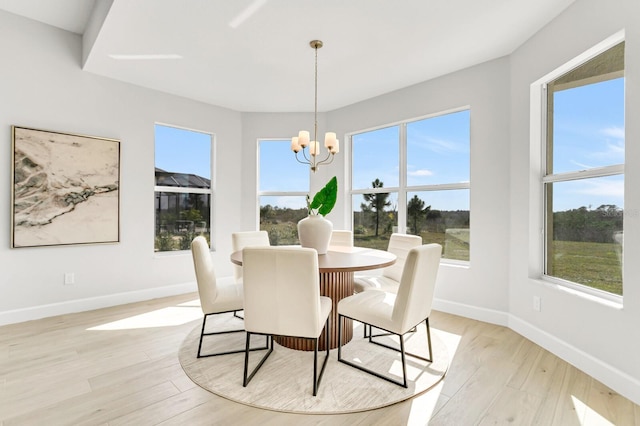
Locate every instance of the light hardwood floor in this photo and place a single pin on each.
(119, 366)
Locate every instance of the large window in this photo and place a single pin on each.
(413, 178)
(283, 185)
(583, 179)
(183, 192)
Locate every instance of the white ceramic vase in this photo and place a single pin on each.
(314, 231)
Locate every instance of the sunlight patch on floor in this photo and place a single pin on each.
(424, 405)
(587, 415)
(166, 317)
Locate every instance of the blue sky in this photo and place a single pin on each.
(437, 153)
(588, 132)
(183, 151)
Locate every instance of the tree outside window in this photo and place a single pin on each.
(583, 181)
(414, 178)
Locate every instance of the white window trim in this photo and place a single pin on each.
(211, 190)
(402, 195)
(538, 177)
(260, 193)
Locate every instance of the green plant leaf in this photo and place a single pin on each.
(325, 199)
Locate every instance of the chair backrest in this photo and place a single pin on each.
(240, 240)
(205, 274)
(341, 238)
(400, 244)
(415, 294)
(282, 291)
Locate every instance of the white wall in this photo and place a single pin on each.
(43, 87)
(480, 290)
(599, 338)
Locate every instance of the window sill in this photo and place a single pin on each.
(173, 253)
(609, 300)
(451, 263)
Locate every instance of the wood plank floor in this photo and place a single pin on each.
(119, 366)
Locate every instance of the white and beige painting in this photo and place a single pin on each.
(66, 189)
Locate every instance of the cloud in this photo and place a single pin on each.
(421, 173)
(438, 145)
(613, 132)
(603, 188)
(442, 145)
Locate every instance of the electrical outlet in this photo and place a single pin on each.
(536, 303)
(69, 278)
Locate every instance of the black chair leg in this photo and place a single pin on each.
(402, 351)
(315, 367)
(204, 322)
(404, 362)
(247, 377)
(202, 334)
(426, 322)
(317, 379)
(340, 335)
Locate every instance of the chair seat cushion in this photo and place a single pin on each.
(375, 282)
(229, 296)
(373, 307)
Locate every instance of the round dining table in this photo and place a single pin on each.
(336, 269)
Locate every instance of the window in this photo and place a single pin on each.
(282, 196)
(414, 177)
(583, 179)
(183, 192)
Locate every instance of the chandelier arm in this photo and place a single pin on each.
(301, 162)
(327, 160)
(310, 158)
(307, 161)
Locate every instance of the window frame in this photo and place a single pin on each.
(539, 138)
(188, 190)
(402, 190)
(260, 193)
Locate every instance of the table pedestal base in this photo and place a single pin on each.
(337, 286)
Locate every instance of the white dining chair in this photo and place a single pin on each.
(389, 279)
(341, 238)
(282, 297)
(217, 296)
(399, 313)
(240, 240)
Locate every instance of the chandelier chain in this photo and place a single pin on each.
(315, 108)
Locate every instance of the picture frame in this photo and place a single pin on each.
(65, 189)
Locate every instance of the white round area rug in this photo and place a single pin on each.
(285, 381)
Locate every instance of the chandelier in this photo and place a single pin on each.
(302, 141)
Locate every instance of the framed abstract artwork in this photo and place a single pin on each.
(66, 189)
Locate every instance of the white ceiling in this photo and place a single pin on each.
(254, 55)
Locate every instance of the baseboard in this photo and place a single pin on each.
(481, 314)
(619, 381)
(87, 304)
(624, 384)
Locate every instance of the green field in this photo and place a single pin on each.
(596, 265)
(453, 248)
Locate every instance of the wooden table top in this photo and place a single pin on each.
(345, 259)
